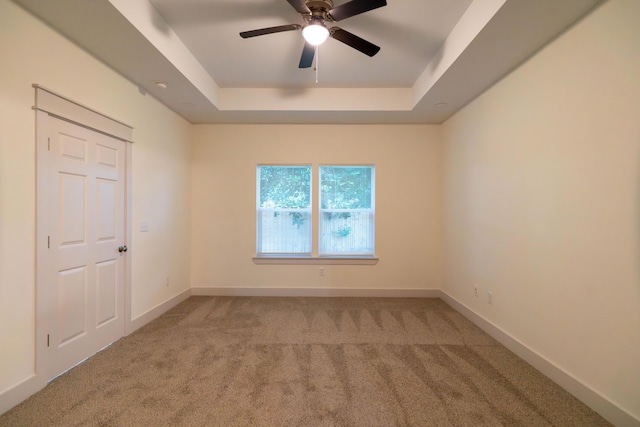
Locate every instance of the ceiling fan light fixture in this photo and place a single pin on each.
(315, 33)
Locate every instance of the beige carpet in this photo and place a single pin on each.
(223, 361)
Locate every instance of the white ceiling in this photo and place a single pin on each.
(436, 55)
(409, 33)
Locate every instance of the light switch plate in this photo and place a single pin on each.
(144, 226)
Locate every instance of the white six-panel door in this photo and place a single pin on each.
(86, 222)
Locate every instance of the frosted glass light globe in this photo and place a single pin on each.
(315, 34)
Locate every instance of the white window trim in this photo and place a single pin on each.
(305, 260)
(315, 259)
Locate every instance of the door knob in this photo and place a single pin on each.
(122, 249)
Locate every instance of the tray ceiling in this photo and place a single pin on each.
(436, 56)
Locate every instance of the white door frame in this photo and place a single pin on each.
(49, 104)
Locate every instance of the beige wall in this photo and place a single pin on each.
(539, 183)
(542, 204)
(408, 203)
(33, 53)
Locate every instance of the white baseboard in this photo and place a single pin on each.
(20, 392)
(599, 403)
(156, 312)
(317, 292)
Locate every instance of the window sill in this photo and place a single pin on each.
(272, 260)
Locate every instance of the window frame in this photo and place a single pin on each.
(314, 258)
(259, 209)
(371, 211)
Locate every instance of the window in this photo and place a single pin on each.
(346, 210)
(284, 210)
(344, 221)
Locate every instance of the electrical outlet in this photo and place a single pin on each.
(321, 271)
(475, 291)
(490, 297)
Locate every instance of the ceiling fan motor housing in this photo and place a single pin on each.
(319, 10)
(316, 13)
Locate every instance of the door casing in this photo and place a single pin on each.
(49, 104)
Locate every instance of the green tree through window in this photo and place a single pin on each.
(285, 186)
(345, 187)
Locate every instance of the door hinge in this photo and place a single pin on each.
(48, 242)
(47, 340)
(48, 144)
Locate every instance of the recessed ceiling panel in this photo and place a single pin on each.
(435, 57)
(409, 32)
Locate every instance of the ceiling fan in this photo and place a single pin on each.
(316, 13)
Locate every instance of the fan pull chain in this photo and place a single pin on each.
(317, 61)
